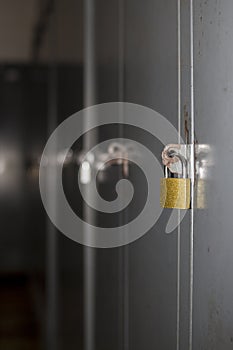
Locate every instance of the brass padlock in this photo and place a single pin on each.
(175, 192)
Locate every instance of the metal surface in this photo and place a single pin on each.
(187, 134)
(89, 99)
(162, 291)
(213, 238)
(105, 270)
(142, 288)
(173, 291)
(175, 193)
(151, 80)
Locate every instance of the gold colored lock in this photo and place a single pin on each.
(175, 192)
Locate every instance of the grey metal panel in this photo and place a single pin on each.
(213, 279)
(151, 80)
(104, 291)
(187, 133)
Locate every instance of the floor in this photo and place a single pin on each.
(19, 327)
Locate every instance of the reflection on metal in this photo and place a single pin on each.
(200, 200)
(89, 99)
(85, 172)
(11, 169)
(204, 162)
(2, 166)
(179, 140)
(64, 157)
(115, 154)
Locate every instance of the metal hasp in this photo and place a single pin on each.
(101, 159)
(175, 191)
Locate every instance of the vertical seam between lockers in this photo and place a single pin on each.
(191, 277)
(179, 137)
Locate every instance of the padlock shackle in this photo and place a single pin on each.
(182, 160)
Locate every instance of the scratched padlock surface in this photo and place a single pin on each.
(175, 193)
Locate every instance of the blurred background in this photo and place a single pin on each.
(162, 292)
(57, 56)
(41, 83)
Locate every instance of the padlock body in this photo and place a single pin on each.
(175, 193)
